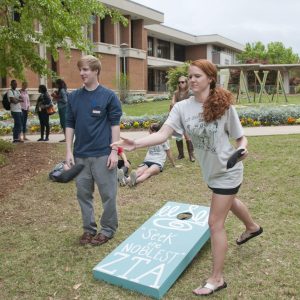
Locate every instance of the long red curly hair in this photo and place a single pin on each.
(219, 99)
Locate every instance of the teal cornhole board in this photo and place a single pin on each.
(152, 258)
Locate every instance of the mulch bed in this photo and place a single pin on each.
(24, 162)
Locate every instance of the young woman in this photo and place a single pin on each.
(25, 105)
(61, 97)
(123, 167)
(43, 102)
(183, 92)
(210, 120)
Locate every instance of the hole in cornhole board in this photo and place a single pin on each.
(184, 216)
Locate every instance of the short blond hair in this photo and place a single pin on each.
(90, 60)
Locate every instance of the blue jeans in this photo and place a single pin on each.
(24, 120)
(17, 116)
(62, 111)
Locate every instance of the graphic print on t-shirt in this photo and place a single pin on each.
(203, 135)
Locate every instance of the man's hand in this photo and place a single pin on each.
(70, 159)
(112, 160)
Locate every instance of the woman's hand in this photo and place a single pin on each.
(244, 153)
(126, 144)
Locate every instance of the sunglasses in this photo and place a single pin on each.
(181, 82)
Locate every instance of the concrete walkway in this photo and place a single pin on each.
(249, 131)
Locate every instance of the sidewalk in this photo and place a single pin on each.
(249, 131)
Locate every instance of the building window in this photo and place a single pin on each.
(179, 52)
(102, 31)
(163, 49)
(150, 46)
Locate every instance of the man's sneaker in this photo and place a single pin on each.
(86, 238)
(121, 177)
(99, 239)
(132, 179)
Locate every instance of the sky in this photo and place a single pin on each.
(243, 21)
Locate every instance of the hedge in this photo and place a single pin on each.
(249, 116)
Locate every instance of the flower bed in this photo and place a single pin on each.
(249, 116)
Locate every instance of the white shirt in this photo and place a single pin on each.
(210, 140)
(14, 107)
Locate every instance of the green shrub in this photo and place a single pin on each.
(267, 116)
(132, 99)
(5, 146)
(161, 98)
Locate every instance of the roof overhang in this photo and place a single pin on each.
(179, 37)
(136, 11)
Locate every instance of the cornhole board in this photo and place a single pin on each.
(151, 259)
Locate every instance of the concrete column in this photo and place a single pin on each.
(209, 52)
(171, 51)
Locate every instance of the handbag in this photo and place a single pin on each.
(51, 110)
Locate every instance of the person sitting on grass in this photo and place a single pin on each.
(153, 162)
(123, 167)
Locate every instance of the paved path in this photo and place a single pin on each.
(249, 131)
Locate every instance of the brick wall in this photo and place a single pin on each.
(125, 32)
(67, 69)
(108, 75)
(195, 52)
(137, 74)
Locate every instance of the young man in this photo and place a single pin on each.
(16, 110)
(93, 116)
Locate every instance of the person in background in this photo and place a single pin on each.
(25, 105)
(16, 110)
(61, 97)
(123, 167)
(212, 122)
(153, 162)
(43, 102)
(183, 92)
(93, 117)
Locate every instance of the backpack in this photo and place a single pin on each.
(58, 174)
(5, 101)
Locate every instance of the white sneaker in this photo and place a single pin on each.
(132, 179)
(121, 177)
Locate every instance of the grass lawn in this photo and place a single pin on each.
(41, 222)
(159, 107)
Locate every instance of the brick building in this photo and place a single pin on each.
(144, 51)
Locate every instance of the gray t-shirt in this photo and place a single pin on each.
(158, 153)
(211, 141)
(14, 107)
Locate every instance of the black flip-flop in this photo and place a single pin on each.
(250, 236)
(211, 287)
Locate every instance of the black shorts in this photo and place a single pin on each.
(232, 191)
(150, 163)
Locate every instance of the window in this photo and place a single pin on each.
(102, 31)
(163, 49)
(150, 46)
(179, 52)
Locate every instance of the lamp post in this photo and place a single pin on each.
(123, 82)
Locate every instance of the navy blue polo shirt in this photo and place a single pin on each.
(91, 114)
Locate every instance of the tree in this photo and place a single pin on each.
(174, 74)
(62, 23)
(274, 53)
